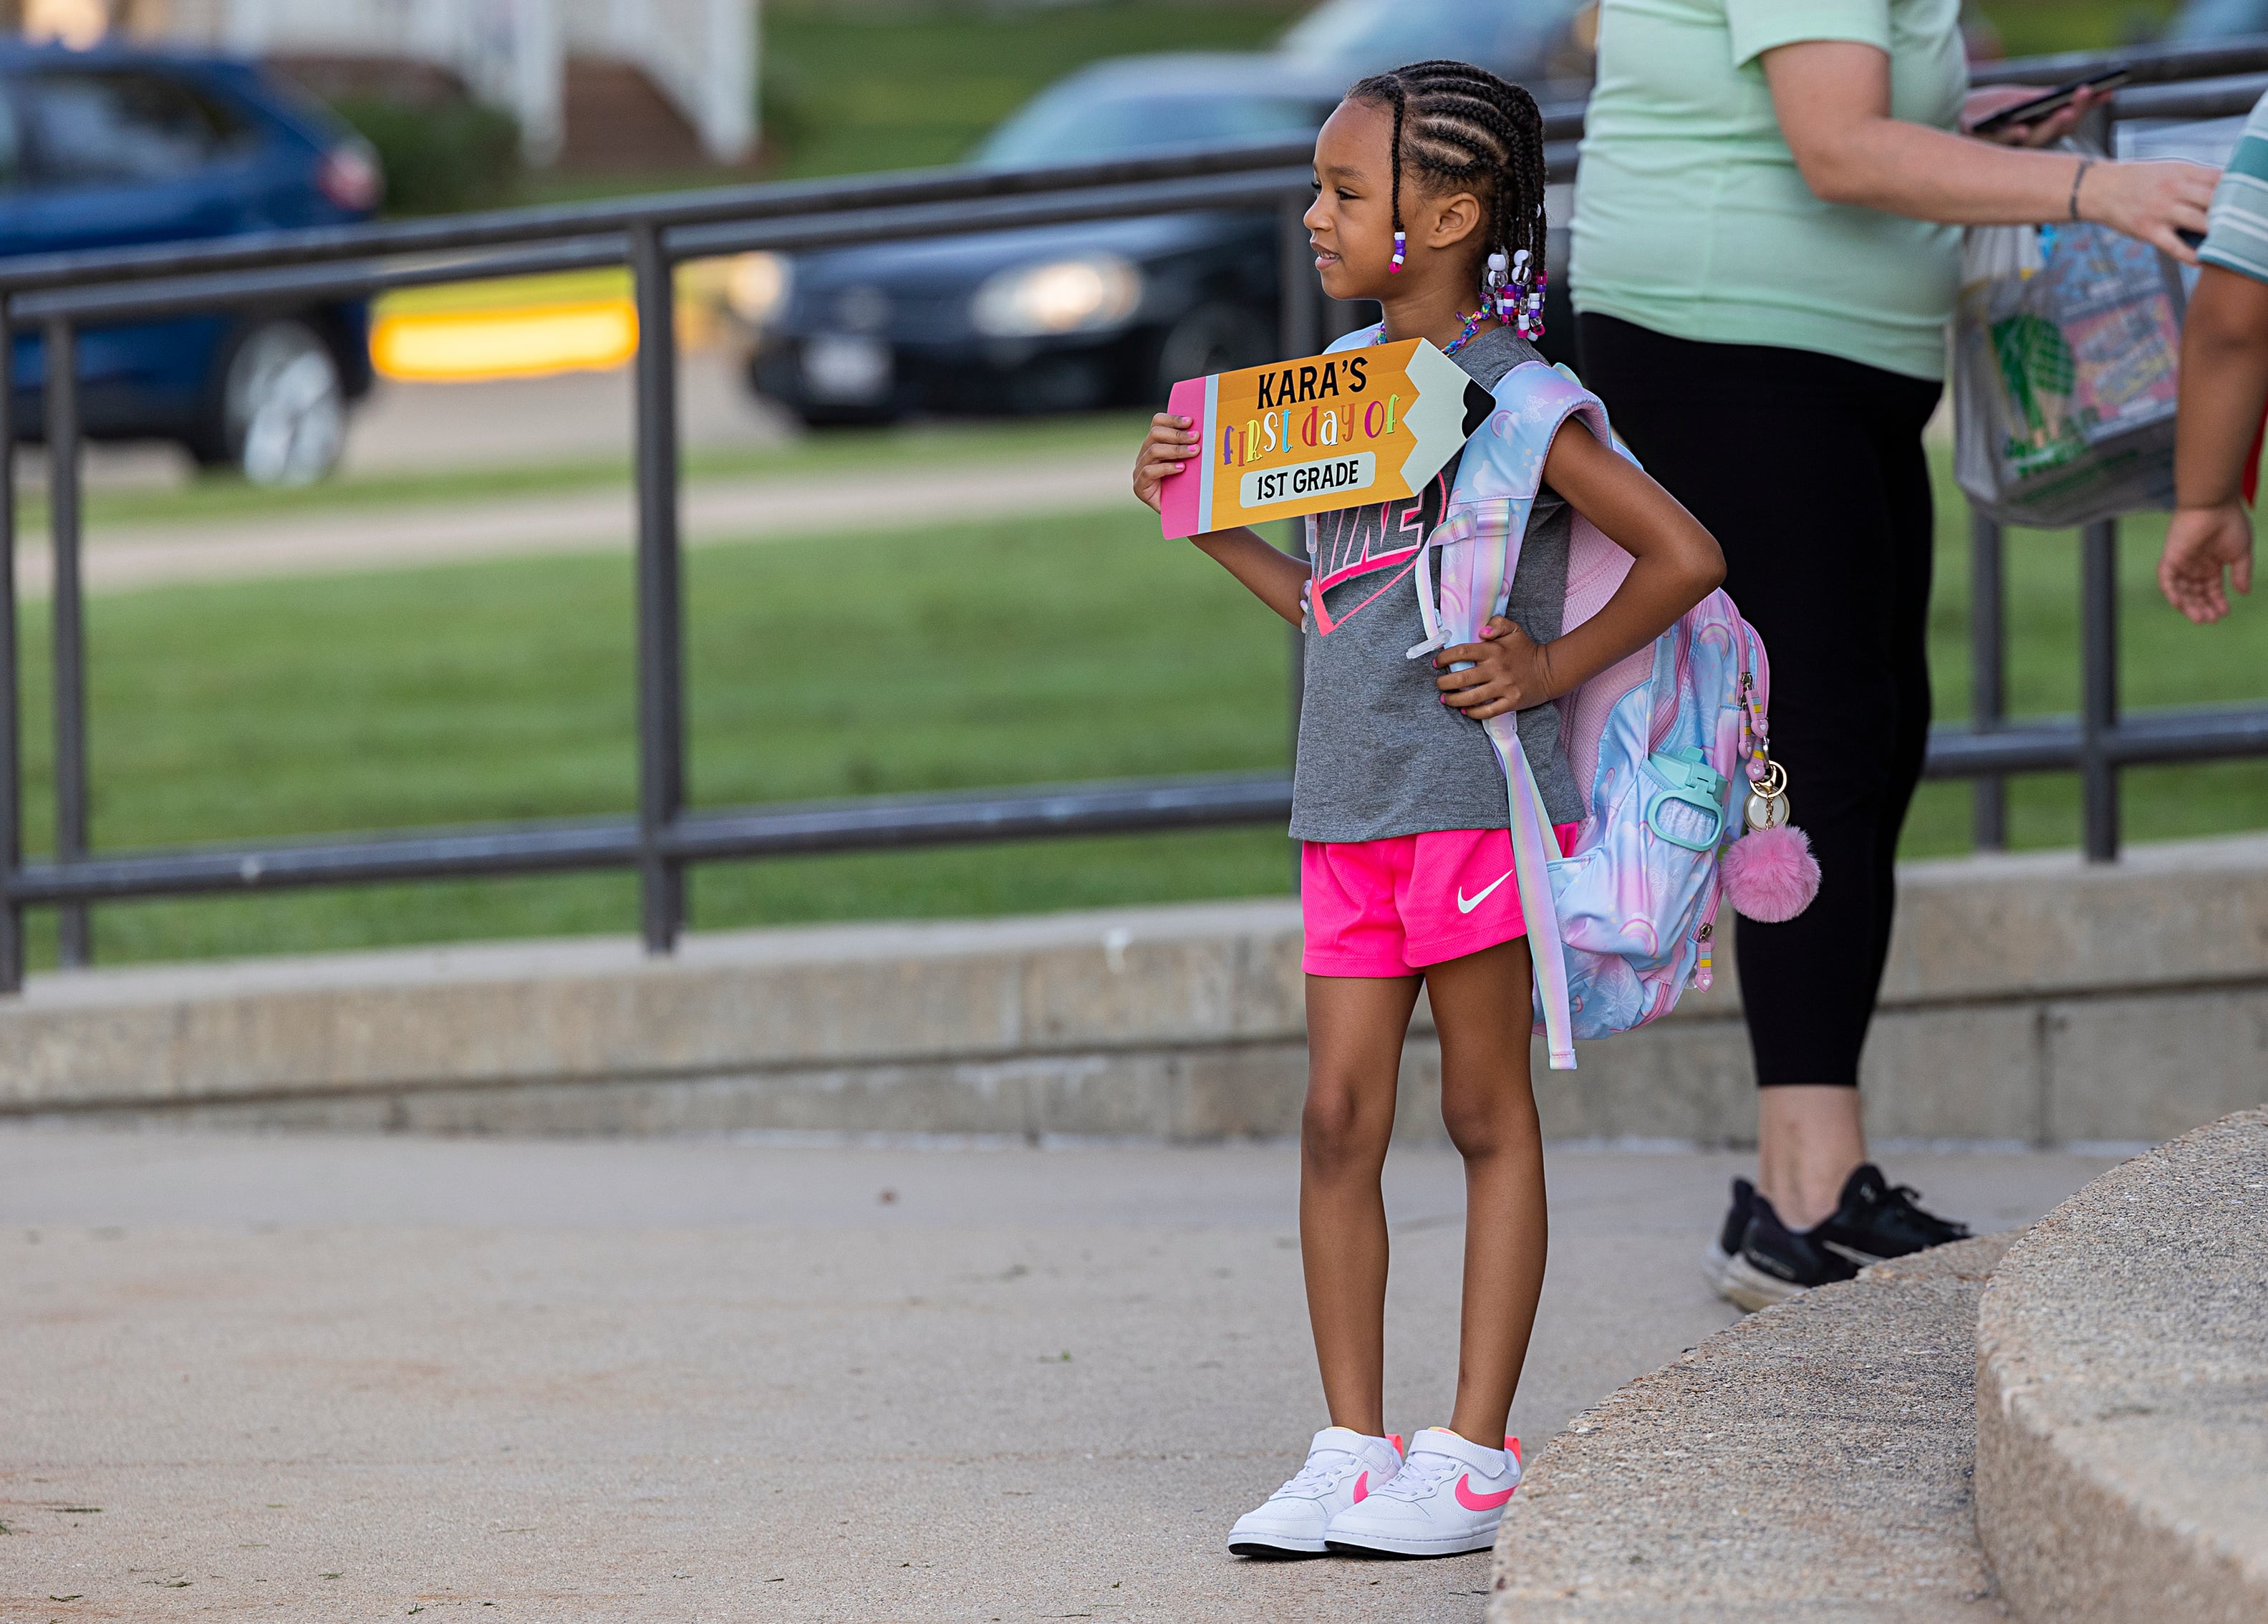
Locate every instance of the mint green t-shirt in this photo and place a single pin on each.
(1692, 217)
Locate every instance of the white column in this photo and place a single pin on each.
(728, 80)
(539, 76)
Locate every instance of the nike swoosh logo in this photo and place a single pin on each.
(1464, 907)
(1472, 1502)
(1362, 1488)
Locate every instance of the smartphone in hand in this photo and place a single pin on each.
(2049, 103)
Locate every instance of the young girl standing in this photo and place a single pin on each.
(1423, 177)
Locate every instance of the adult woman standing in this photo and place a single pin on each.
(1765, 256)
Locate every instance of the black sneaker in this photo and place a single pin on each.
(1727, 1242)
(1776, 1262)
(1875, 1220)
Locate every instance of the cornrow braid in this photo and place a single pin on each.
(1461, 125)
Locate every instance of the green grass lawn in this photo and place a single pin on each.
(953, 658)
(933, 659)
(2038, 27)
(2164, 661)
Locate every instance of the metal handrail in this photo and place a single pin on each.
(60, 293)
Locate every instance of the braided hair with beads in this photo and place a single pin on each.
(1462, 127)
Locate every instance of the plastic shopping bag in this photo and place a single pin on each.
(2067, 345)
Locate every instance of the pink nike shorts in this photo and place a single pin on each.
(1392, 907)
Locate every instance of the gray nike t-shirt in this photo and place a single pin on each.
(1380, 754)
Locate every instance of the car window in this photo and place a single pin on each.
(1071, 125)
(89, 125)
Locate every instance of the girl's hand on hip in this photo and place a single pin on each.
(1509, 671)
(2150, 201)
(2200, 544)
(1171, 441)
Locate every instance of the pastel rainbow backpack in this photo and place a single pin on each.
(1659, 743)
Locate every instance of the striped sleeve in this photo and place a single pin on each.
(2237, 230)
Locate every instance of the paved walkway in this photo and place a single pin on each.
(567, 1380)
(408, 535)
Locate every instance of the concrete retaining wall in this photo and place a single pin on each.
(2122, 1393)
(2029, 998)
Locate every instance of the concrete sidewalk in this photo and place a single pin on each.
(413, 534)
(332, 1377)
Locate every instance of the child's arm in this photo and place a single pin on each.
(1270, 575)
(1678, 565)
(2224, 385)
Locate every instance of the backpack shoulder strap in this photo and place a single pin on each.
(1504, 459)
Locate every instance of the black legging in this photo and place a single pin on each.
(1808, 470)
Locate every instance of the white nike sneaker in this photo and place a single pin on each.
(1342, 1467)
(1448, 1497)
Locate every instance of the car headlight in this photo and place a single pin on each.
(1083, 294)
(758, 286)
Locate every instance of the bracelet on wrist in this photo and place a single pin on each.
(2078, 175)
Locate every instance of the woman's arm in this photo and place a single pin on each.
(1677, 564)
(2224, 387)
(1277, 580)
(1833, 100)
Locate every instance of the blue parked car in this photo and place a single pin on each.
(118, 145)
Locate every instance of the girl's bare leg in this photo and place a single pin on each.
(1355, 1028)
(1481, 1006)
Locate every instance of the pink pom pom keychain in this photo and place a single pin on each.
(1769, 874)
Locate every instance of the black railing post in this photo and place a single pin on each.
(2098, 705)
(11, 743)
(73, 929)
(1299, 294)
(1988, 670)
(660, 602)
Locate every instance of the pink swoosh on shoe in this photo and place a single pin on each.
(1472, 1502)
(1362, 1488)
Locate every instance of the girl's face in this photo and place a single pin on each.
(1351, 223)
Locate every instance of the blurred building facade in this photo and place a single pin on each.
(595, 84)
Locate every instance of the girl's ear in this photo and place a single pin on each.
(1456, 216)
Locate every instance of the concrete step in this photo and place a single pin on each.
(2084, 1447)
(1812, 1462)
(2030, 1000)
(2122, 1392)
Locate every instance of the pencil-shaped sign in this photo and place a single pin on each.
(1329, 432)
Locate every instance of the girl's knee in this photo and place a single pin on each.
(1342, 1127)
(1488, 1121)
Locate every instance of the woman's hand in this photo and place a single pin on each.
(2153, 200)
(1171, 441)
(1510, 670)
(1983, 104)
(2200, 544)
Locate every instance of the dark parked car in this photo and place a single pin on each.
(1114, 312)
(117, 145)
(1055, 318)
